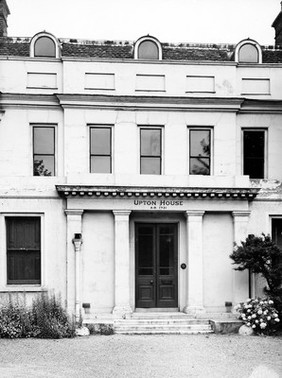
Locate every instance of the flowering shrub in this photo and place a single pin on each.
(259, 314)
(46, 318)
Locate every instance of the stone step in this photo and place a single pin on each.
(162, 332)
(156, 322)
(161, 329)
(174, 324)
(160, 315)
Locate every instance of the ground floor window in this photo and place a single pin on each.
(23, 250)
(277, 234)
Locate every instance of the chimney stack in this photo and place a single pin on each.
(277, 25)
(4, 12)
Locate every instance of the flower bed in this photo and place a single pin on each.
(259, 314)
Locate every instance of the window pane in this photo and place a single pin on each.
(100, 164)
(148, 50)
(277, 232)
(254, 154)
(199, 166)
(254, 168)
(248, 53)
(23, 250)
(100, 141)
(199, 143)
(150, 166)
(145, 250)
(254, 144)
(45, 46)
(44, 165)
(150, 142)
(23, 232)
(44, 140)
(23, 267)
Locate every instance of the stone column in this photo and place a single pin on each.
(122, 266)
(194, 300)
(73, 284)
(240, 279)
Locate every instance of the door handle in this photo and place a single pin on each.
(151, 282)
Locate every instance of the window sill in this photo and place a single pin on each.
(22, 289)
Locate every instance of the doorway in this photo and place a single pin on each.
(156, 265)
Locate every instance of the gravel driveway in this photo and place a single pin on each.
(143, 356)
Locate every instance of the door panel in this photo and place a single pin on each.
(156, 265)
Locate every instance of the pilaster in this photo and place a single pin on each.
(194, 299)
(240, 279)
(122, 265)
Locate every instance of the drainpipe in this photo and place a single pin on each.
(77, 241)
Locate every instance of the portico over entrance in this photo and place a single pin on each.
(155, 247)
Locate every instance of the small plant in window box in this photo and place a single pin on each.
(228, 306)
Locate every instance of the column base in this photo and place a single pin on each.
(194, 310)
(122, 312)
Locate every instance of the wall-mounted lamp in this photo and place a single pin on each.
(77, 241)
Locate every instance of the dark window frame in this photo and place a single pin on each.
(142, 128)
(209, 157)
(36, 154)
(13, 253)
(110, 155)
(248, 158)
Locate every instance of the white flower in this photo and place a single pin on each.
(253, 326)
(262, 325)
(270, 302)
(254, 316)
(277, 319)
(256, 321)
(268, 318)
(261, 320)
(265, 312)
(275, 315)
(249, 317)
(248, 324)
(248, 310)
(259, 311)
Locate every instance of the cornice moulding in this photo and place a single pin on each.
(69, 191)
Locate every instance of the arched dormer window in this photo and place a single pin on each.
(44, 45)
(248, 51)
(148, 48)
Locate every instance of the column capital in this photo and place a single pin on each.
(74, 212)
(194, 213)
(121, 213)
(241, 213)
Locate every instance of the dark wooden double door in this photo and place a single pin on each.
(156, 265)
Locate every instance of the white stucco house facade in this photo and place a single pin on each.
(129, 169)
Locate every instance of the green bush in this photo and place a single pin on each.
(46, 318)
(259, 254)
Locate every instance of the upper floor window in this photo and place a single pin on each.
(23, 250)
(248, 51)
(101, 150)
(200, 151)
(44, 45)
(254, 153)
(148, 48)
(43, 151)
(150, 151)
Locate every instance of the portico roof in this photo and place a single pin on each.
(68, 191)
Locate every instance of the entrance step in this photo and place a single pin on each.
(162, 323)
